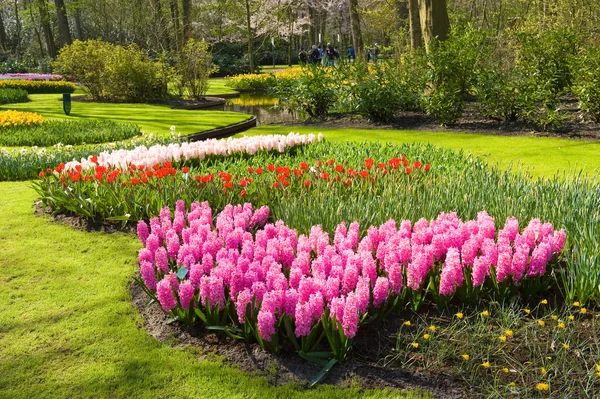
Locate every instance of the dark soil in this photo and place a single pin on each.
(362, 368)
(579, 126)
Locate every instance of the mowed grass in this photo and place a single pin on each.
(542, 156)
(68, 329)
(151, 118)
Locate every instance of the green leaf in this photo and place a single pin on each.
(323, 372)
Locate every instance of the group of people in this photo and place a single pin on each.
(329, 55)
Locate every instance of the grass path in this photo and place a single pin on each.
(547, 156)
(151, 118)
(68, 330)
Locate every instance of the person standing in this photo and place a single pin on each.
(302, 57)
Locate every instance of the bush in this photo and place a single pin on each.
(85, 62)
(498, 94)
(452, 63)
(13, 96)
(39, 86)
(315, 91)
(587, 81)
(113, 71)
(232, 59)
(71, 132)
(385, 90)
(194, 66)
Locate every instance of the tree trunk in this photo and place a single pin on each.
(160, 33)
(434, 21)
(416, 39)
(3, 39)
(78, 24)
(356, 33)
(176, 26)
(18, 27)
(63, 23)
(250, 38)
(187, 19)
(46, 28)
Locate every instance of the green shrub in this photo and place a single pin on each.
(113, 71)
(39, 86)
(452, 63)
(13, 96)
(194, 66)
(587, 82)
(85, 63)
(385, 90)
(315, 91)
(72, 132)
(498, 94)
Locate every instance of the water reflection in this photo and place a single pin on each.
(263, 106)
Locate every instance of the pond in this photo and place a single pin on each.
(263, 106)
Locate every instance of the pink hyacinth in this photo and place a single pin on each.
(186, 293)
(266, 325)
(148, 274)
(452, 273)
(142, 231)
(350, 320)
(304, 319)
(165, 295)
(243, 300)
(162, 260)
(381, 291)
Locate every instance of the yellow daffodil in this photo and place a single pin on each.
(508, 333)
(432, 328)
(543, 387)
(465, 356)
(576, 304)
(512, 384)
(485, 313)
(541, 323)
(407, 323)
(544, 301)
(459, 315)
(415, 345)
(485, 365)
(561, 325)
(543, 371)
(502, 338)
(571, 317)
(505, 369)
(554, 317)
(16, 118)
(527, 311)
(426, 336)
(583, 310)
(566, 346)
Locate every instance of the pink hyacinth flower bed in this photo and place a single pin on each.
(29, 76)
(159, 154)
(265, 282)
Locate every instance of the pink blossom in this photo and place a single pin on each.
(165, 295)
(266, 324)
(142, 231)
(162, 260)
(186, 293)
(148, 274)
(381, 291)
(350, 319)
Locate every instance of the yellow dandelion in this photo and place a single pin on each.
(502, 338)
(544, 301)
(505, 369)
(576, 304)
(554, 317)
(432, 328)
(571, 317)
(415, 345)
(566, 346)
(407, 323)
(583, 310)
(459, 315)
(485, 365)
(426, 336)
(465, 356)
(561, 325)
(527, 311)
(541, 323)
(485, 313)
(508, 333)
(543, 387)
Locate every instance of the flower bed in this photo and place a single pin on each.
(31, 76)
(262, 81)
(9, 119)
(39, 86)
(268, 283)
(73, 132)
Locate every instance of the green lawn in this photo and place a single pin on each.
(546, 156)
(151, 118)
(68, 329)
(217, 86)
